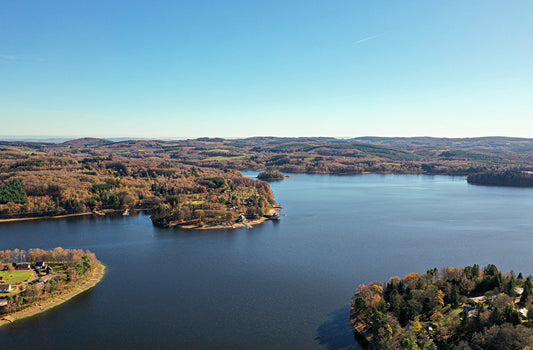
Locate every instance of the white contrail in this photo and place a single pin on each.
(369, 38)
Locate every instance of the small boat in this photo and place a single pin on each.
(99, 213)
(126, 212)
(275, 216)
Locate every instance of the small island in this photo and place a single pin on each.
(514, 178)
(454, 308)
(36, 280)
(271, 175)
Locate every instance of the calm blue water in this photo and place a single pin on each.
(283, 285)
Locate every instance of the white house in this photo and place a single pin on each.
(40, 265)
(6, 288)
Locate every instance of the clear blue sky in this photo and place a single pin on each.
(161, 69)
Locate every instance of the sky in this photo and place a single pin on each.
(177, 69)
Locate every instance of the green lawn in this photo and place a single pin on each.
(225, 158)
(27, 152)
(14, 277)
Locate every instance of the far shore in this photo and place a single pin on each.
(96, 277)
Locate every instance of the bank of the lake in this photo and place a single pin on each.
(91, 281)
(29, 218)
(63, 216)
(247, 224)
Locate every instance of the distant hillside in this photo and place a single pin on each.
(415, 155)
(494, 143)
(87, 141)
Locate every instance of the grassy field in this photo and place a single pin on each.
(27, 152)
(14, 277)
(225, 158)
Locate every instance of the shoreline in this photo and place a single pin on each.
(252, 223)
(29, 218)
(44, 217)
(187, 227)
(96, 277)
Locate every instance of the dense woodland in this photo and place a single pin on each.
(513, 178)
(270, 175)
(49, 183)
(197, 182)
(69, 266)
(454, 308)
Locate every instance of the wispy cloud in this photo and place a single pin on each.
(368, 38)
(8, 57)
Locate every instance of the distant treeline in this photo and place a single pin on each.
(37, 254)
(504, 178)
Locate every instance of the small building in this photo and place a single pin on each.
(470, 310)
(522, 313)
(6, 288)
(23, 267)
(3, 302)
(40, 265)
(45, 279)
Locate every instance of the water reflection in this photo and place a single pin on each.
(49, 315)
(336, 332)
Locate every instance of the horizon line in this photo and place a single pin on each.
(60, 139)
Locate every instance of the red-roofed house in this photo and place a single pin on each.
(45, 278)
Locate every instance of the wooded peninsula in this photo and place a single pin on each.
(197, 183)
(454, 308)
(36, 280)
(512, 178)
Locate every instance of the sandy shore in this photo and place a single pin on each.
(45, 217)
(105, 211)
(236, 225)
(96, 277)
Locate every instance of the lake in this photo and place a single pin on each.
(283, 285)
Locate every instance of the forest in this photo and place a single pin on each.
(270, 175)
(39, 183)
(451, 308)
(198, 181)
(514, 178)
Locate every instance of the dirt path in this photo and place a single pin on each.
(96, 277)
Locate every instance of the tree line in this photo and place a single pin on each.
(515, 178)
